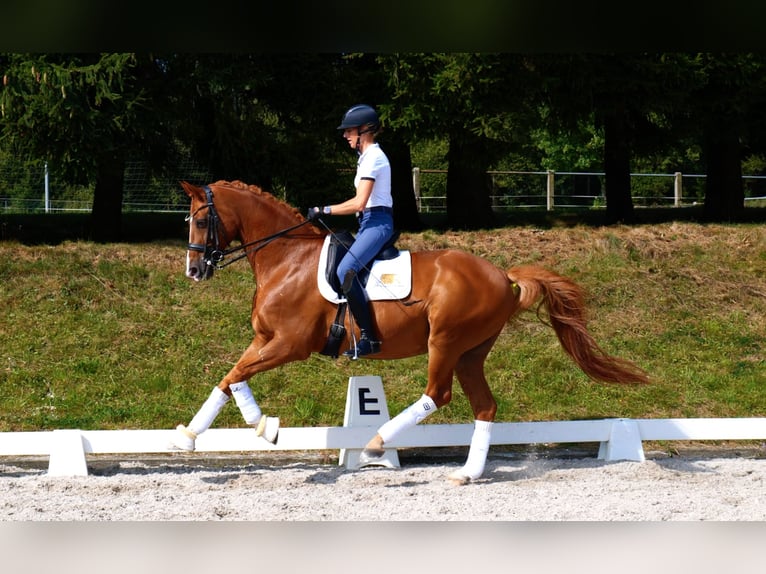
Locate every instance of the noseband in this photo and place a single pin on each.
(213, 254)
(212, 246)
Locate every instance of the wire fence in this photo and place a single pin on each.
(33, 189)
(577, 190)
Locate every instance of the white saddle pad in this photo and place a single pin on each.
(389, 279)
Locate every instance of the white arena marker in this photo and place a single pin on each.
(624, 442)
(366, 407)
(67, 454)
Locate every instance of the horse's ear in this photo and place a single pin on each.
(189, 189)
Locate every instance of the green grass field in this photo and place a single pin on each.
(114, 336)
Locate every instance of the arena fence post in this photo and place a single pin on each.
(624, 442)
(366, 407)
(67, 456)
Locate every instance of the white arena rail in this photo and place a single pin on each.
(366, 410)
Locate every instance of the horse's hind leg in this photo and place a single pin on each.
(470, 373)
(437, 394)
(373, 452)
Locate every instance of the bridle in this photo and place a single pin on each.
(211, 247)
(213, 255)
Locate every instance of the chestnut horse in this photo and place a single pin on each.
(457, 308)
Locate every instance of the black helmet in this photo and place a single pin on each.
(360, 115)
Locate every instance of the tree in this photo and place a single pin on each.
(728, 104)
(581, 86)
(630, 98)
(271, 119)
(85, 114)
(261, 118)
(479, 102)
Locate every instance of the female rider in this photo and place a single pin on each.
(372, 203)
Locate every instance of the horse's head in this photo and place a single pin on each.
(207, 236)
(228, 211)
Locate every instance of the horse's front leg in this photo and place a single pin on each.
(260, 356)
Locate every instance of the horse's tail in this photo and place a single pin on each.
(565, 304)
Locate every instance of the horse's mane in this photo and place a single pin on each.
(258, 190)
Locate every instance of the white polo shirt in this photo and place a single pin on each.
(373, 164)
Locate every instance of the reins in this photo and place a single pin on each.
(215, 256)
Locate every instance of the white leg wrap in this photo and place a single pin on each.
(246, 403)
(208, 411)
(477, 453)
(409, 417)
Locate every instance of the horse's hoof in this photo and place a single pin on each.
(371, 457)
(268, 428)
(459, 478)
(182, 439)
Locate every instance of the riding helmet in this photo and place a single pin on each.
(360, 115)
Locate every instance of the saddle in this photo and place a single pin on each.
(388, 276)
(339, 244)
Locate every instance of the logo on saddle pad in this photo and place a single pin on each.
(388, 279)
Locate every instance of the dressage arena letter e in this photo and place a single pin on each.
(364, 400)
(366, 407)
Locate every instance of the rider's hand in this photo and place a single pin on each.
(313, 213)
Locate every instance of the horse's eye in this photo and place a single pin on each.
(201, 223)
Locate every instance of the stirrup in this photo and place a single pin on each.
(363, 347)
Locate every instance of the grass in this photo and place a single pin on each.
(114, 336)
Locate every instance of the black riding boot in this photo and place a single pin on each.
(360, 308)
